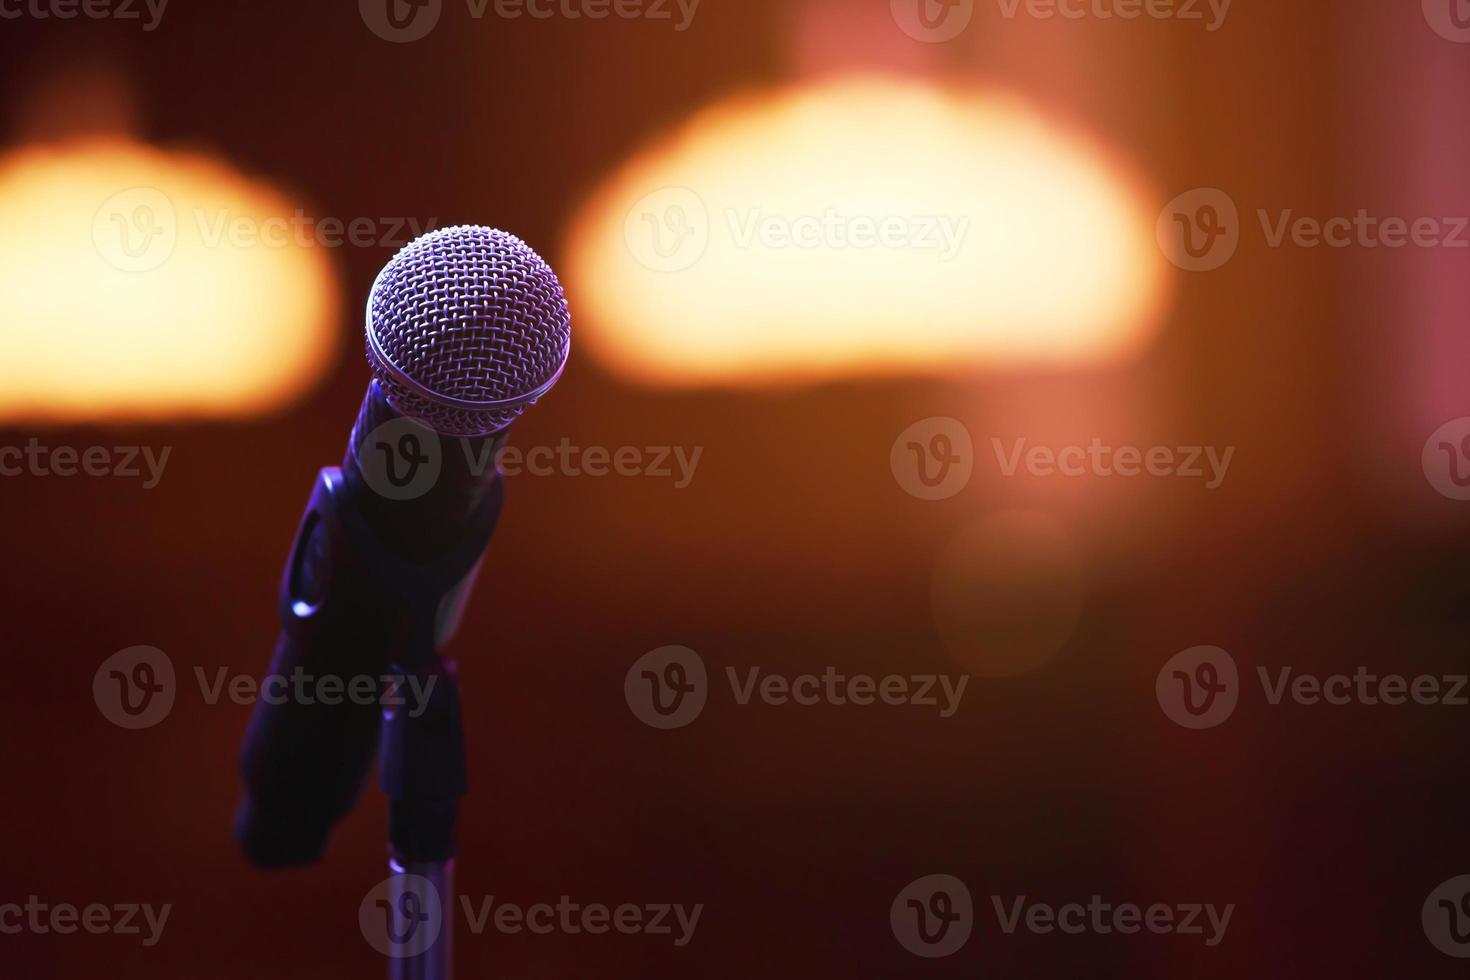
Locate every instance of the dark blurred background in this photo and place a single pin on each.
(794, 547)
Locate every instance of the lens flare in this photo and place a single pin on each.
(863, 226)
(140, 284)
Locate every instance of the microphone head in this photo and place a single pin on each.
(466, 328)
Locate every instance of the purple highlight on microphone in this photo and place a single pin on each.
(466, 328)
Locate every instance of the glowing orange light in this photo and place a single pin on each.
(858, 226)
(140, 284)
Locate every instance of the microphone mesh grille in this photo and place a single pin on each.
(467, 314)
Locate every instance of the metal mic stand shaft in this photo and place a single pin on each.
(423, 774)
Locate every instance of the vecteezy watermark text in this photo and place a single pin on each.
(676, 463)
(1105, 918)
(136, 688)
(1211, 13)
(405, 21)
(933, 917)
(670, 230)
(403, 460)
(1098, 459)
(1200, 230)
(403, 916)
(934, 459)
(90, 9)
(138, 230)
(63, 919)
(833, 230)
(571, 918)
(668, 688)
(123, 462)
(304, 230)
(833, 687)
(938, 21)
(1201, 687)
(407, 691)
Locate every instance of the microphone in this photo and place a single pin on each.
(467, 327)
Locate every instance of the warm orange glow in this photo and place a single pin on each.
(1008, 592)
(864, 225)
(133, 284)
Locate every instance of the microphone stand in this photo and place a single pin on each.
(423, 774)
(427, 552)
(376, 584)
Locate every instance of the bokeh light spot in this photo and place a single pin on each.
(141, 284)
(864, 225)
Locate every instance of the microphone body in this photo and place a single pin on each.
(373, 589)
(467, 327)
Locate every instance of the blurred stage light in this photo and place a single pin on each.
(864, 226)
(136, 283)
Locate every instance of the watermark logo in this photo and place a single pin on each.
(1450, 19)
(677, 464)
(121, 462)
(63, 919)
(933, 459)
(571, 918)
(1199, 688)
(405, 21)
(667, 688)
(1362, 230)
(671, 229)
(410, 692)
(91, 9)
(1199, 230)
(400, 459)
(933, 916)
(401, 21)
(1446, 917)
(652, 10)
(1208, 464)
(933, 21)
(1181, 10)
(135, 688)
(1446, 459)
(943, 692)
(136, 230)
(838, 231)
(301, 230)
(402, 916)
(668, 230)
(1104, 918)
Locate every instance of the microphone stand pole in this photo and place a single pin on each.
(423, 775)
